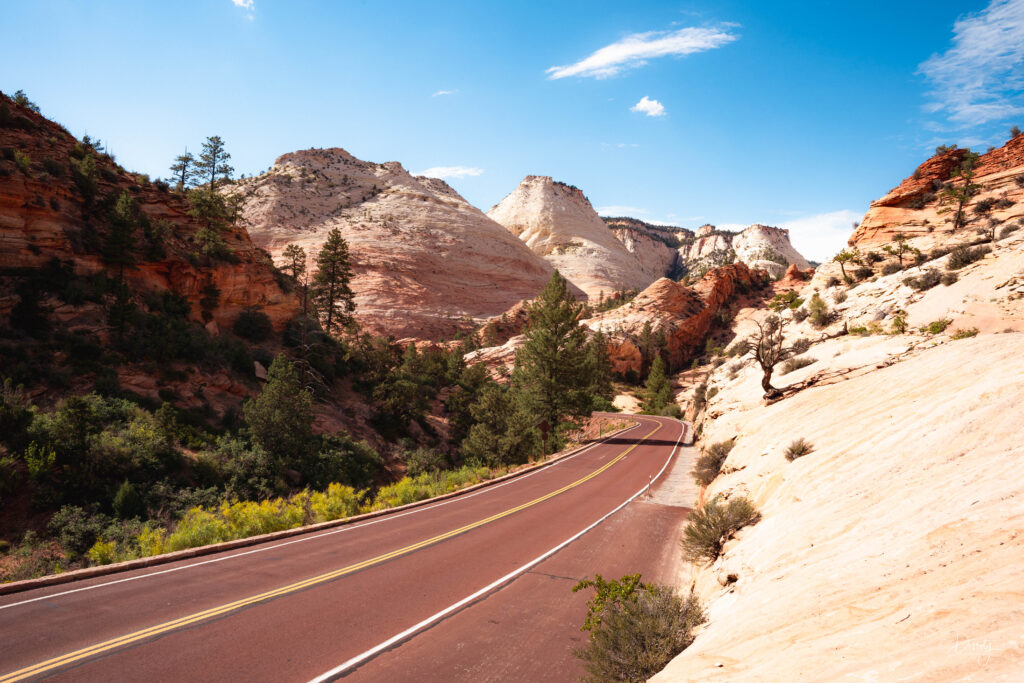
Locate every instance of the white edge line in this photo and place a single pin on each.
(488, 588)
(315, 536)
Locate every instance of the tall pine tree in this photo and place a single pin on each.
(658, 390)
(213, 162)
(331, 292)
(184, 170)
(550, 378)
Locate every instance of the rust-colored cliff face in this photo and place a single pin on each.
(43, 217)
(914, 206)
(53, 227)
(684, 315)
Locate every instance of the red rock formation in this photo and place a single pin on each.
(42, 218)
(913, 209)
(684, 315)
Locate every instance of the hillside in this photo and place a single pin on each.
(894, 539)
(426, 263)
(68, 323)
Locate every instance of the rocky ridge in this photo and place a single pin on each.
(557, 222)
(426, 263)
(915, 208)
(914, 446)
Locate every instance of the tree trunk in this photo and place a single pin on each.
(766, 384)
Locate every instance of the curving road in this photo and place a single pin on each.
(477, 587)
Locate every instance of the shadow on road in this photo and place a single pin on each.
(626, 441)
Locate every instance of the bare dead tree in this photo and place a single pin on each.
(768, 348)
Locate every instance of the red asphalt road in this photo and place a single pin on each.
(523, 630)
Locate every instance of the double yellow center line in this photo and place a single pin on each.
(182, 622)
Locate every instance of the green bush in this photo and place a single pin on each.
(423, 460)
(819, 315)
(796, 363)
(798, 449)
(936, 326)
(948, 278)
(709, 464)
(711, 526)
(890, 268)
(965, 333)
(253, 325)
(639, 633)
(964, 256)
(801, 345)
(925, 281)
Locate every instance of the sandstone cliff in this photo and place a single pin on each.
(66, 328)
(894, 540)
(914, 207)
(558, 223)
(426, 263)
(683, 315)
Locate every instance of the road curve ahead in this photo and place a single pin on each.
(417, 595)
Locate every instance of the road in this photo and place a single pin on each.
(476, 587)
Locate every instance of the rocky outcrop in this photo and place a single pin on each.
(558, 223)
(914, 207)
(42, 218)
(761, 247)
(682, 315)
(767, 248)
(426, 263)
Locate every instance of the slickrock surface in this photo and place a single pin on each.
(998, 172)
(558, 223)
(426, 262)
(893, 551)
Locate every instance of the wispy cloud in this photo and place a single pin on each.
(980, 78)
(248, 5)
(451, 172)
(441, 93)
(648, 106)
(634, 50)
(821, 236)
(620, 210)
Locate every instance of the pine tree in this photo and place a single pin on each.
(295, 261)
(184, 169)
(960, 194)
(658, 390)
(281, 417)
(550, 376)
(599, 370)
(331, 291)
(213, 162)
(117, 249)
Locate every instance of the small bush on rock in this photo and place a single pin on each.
(713, 525)
(924, 281)
(797, 363)
(890, 268)
(798, 449)
(964, 256)
(949, 278)
(709, 464)
(638, 634)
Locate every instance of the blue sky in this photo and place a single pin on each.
(786, 113)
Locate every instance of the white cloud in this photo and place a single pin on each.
(634, 50)
(248, 5)
(649, 107)
(620, 210)
(821, 236)
(451, 172)
(980, 78)
(440, 93)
